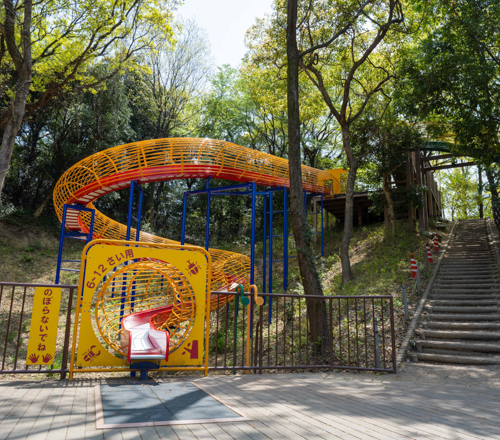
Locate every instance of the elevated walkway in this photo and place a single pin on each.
(335, 205)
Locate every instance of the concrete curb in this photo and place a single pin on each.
(400, 355)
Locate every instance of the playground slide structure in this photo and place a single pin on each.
(156, 160)
(140, 337)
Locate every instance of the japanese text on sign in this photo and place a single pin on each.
(44, 323)
(112, 261)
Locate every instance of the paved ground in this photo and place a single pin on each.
(283, 406)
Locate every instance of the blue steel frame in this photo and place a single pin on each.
(268, 212)
(134, 186)
(250, 189)
(76, 235)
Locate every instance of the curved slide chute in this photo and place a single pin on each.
(167, 159)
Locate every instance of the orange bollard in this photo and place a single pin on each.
(413, 267)
(429, 255)
(436, 244)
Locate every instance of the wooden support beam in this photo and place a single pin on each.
(444, 156)
(445, 167)
(430, 194)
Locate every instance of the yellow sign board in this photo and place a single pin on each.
(44, 324)
(100, 258)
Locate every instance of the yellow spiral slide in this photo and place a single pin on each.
(167, 159)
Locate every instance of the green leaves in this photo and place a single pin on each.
(451, 75)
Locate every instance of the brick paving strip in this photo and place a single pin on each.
(282, 406)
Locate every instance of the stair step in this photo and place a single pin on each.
(483, 336)
(469, 282)
(463, 325)
(463, 317)
(472, 286)
(464, 296)
(450, 359)
(439, 309)
(461, 320)
(468, 264)
(467, 260)
(468, 291)
(463, 302)
(457, 352)
(453, 272)
(461, 346)
(446, 278)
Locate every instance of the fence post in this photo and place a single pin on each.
(377, 351)
(405, 302)
(418, 277)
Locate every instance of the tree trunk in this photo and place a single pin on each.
(349, 207)
(23, 65)
(13, 125)
(388, 197)
(493, 184)
(316, 311)
(40, 209)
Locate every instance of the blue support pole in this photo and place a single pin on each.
(122, 303)
(270, 290)
(134, 186)
(113, 286)
(252, 250)
(207, 223)
(270, 242)
(183, 231)
(305, 204)
(61, 241)
(322, 230)
(139, 216)
(285, 239)
(76, 235)
(91, 232)
(264, 247)
(130, 206)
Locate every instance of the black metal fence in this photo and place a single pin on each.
(288, 332)
(296, 332)
(16, 307)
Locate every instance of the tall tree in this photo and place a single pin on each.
(164, 95)
(301, 232)
(338, 48)
(48, 47)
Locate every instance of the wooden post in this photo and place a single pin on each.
(409, 181)
(430, 193)
(426, 205)
(418, 169)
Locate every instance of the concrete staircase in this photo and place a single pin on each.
(461, 320)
